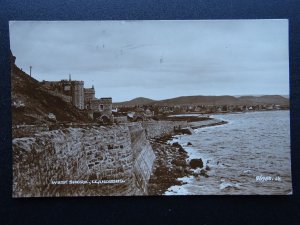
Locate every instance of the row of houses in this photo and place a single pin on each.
(156, 110)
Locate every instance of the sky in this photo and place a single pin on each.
(158, 59)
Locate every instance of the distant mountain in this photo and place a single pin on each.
(199, 100)
(211, 100)
(136, 101)
(265, 99)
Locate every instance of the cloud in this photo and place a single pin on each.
(158, 59)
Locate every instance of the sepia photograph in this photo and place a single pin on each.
(150, 108)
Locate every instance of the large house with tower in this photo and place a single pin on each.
(73, 91)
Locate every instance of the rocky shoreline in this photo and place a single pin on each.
(172, 163)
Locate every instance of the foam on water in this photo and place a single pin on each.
(250, 145)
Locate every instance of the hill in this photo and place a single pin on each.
(199, 100)
(265, 99)
(212, 100)
(136, 101)
(35, 103)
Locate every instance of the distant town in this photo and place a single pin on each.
(105, 111)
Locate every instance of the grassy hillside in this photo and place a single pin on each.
(37, 103)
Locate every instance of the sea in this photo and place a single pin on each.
(250, 155)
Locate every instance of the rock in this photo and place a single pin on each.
(189, 143)
(177, 162)
(180, 148)
(203, 173)
(196, 163)
(175, 144)
(207, 168)
(187, 130)
(51, 117)
(197, 177)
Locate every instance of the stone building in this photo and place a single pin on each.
(73, 91)
(89, 95)
(77, 89)
(103, 107)
(106, 106)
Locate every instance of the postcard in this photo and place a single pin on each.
(150, 107)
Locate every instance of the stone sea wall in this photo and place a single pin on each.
(157, 128)
(143, 154)
(77, 154)
(47, 163)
